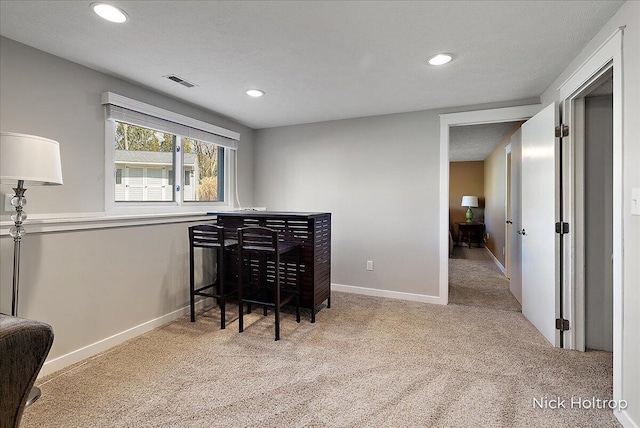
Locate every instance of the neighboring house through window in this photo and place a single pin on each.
(161, 160)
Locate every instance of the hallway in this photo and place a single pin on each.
(475, 280)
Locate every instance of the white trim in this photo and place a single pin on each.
(497, 262)
(131, 104)
(497, 115)
(73, 357)
(576, 112)
(508, 114)
(45, 223)
(585, 71)
(624, 418)
(423, 298)
(609, 52)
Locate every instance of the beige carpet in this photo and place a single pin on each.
(475, 280)
(366, 362)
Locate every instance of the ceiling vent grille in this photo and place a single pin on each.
(180, 80)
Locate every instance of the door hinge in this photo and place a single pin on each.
(562, 131)
(562, 227)
(562, 324)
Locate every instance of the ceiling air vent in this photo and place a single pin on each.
(180, 80)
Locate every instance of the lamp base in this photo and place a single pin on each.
(469, 215)
(34, 395)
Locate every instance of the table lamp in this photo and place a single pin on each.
(26, 160)
(469, 202)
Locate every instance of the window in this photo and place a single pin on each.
(163, 160)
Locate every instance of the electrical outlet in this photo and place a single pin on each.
(487, 235)
(369, 264)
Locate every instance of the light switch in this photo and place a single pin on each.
(635, 201)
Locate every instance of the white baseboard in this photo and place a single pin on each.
(497, 262)
(88, 351)
(624, 419)
(389, 294)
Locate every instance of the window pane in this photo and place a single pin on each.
(144, 164)
(203, 171)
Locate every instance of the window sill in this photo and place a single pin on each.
(46, 223)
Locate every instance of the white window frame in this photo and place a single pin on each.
(178, 206)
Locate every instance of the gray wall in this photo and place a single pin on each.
(379, 177)
(90, 284)
(48, 96)
(598, 222)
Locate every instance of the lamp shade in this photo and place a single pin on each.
(35, 160)
(469, 201)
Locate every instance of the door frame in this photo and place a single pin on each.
(448, 120)
(607, 56)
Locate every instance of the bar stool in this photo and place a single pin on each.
(269, 282)
(210, 236)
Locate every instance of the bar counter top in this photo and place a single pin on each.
(270, 214)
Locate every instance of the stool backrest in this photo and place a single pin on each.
(205, 235)
(257, 238)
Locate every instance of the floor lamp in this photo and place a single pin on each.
(26, 160)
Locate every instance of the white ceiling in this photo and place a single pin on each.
(476, 142)
(319, 60)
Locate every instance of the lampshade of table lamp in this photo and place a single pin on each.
(31, 161)
(469, 202)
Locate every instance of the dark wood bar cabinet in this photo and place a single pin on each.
(312, 231)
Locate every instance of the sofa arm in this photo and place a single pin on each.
(24, 346)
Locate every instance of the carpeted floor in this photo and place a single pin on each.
(366, 362)
(475, 280)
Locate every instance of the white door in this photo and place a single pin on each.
(515, 250)
(508, 215)
(539, 285)
(153, 185)
(134, 189)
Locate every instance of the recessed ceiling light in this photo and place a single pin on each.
(109, 12)
(255, 93)
(440, 59)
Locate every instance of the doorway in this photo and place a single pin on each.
(606, 61)
(478, 176)
(447, 121)
(593, 112)
(598, 221)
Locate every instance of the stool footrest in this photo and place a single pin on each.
(270, 303)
